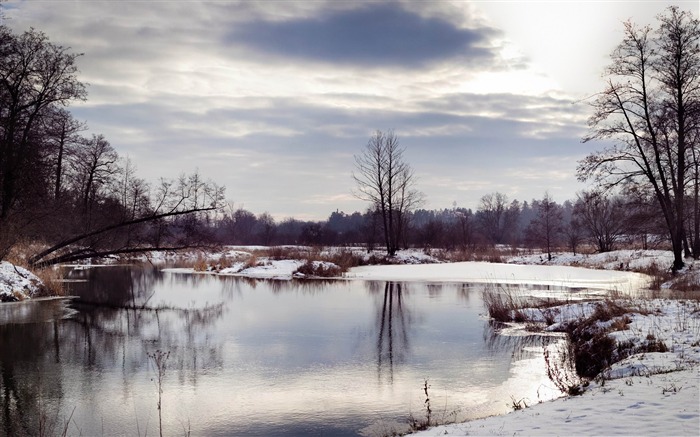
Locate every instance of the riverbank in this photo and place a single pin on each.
(650, 393)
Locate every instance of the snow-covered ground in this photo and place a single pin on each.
(17, 283)
(266, 269)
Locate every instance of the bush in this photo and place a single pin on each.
(319, 269)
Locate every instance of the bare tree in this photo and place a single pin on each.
(573, 234)
(497, 218)
(95, 166)
(35, 75)
(61, 136)
(465, 223)
(546, 228)
(384, 179)
(647, 109)
(602, 217)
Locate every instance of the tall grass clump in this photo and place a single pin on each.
(52, 280)
(502, 304)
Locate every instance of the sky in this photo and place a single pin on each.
(273, 99)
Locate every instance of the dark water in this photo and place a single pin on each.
(264, 358)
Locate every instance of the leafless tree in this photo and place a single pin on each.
(546, 228)
(465, 221)
(95, 166)
(387, 181)
(603, 218)
(497, 218)
(647, 109)
(131, 190)
(35, 75)
(61, 132)
(573, 234)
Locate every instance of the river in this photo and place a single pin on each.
(256, 358)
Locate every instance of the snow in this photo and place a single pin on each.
(270, 269)
(628, 259)
(631, 406)
(17, 283)
(265, 269)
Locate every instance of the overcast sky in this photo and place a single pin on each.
(273, 98)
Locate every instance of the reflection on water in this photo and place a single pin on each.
(392, 342)
(250, 357)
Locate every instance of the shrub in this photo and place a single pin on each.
(52, 278)
(200, 264)
(319, 269)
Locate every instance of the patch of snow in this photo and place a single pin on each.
(615, 260)
(266, 269)
(17, 283)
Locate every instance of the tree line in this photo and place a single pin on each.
(593, 219)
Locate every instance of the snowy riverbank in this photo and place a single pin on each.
(655, 393)
(17, 283)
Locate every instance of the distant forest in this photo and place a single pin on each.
(603, 223)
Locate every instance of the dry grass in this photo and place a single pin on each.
(319, 269)
(503, 305)
(52, 278)
(252, 261)
(200, 264)
(19, 253)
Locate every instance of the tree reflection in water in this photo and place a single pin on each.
(392, 321)
(114, 329)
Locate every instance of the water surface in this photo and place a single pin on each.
(260, 358)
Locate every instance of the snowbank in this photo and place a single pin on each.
(616, 260)
(17, 283)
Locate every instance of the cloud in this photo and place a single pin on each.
(273, 99)
(374, 35)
